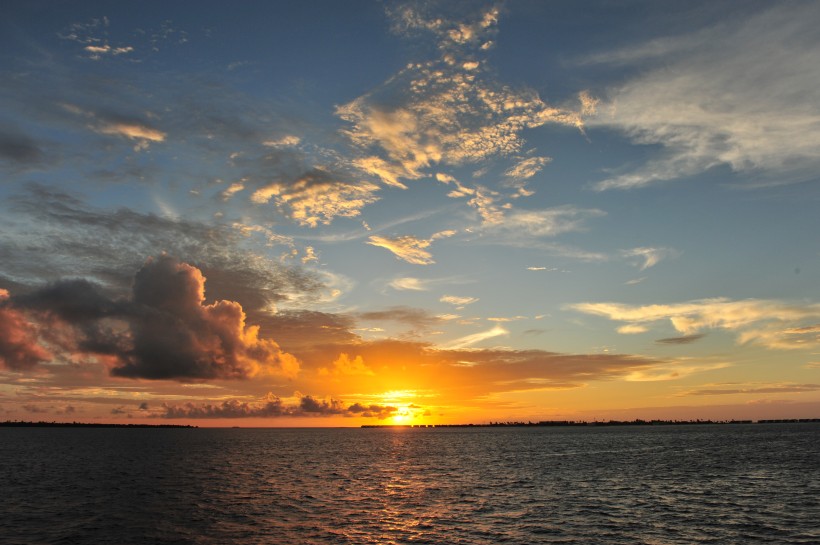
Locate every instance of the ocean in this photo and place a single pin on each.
(654, 485)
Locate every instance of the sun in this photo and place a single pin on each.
(403, 416)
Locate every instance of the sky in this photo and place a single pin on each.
(328, 213)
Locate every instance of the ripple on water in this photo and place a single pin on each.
(653, 486)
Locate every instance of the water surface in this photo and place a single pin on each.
(634, 485)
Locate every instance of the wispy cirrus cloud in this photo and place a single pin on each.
(408, 247)
(458, 301)
(751, 388)
(649, 257)
(770, 323)
(741, 93)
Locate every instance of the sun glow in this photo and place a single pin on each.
(402, 417)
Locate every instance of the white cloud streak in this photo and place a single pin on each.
(742, 93)
(770, 323)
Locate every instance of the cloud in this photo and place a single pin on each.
(118, 125)
(527, 168)
(770, 323)
(476, 338)
(50, 234)
(632, 329)
(457, 300)
(649, 256)
(19, 345)
(409, 283)
(548, 222)
(462, 373)
(134, 131)
(448, 110)
(412, 316)
(741, 93)
(757, 389)
(165, 331)
(317, 197)
(273, 407)
(407, 248)
(18, 148)
(686, 339)
(297, 330)
(347, 367)
(232, 190)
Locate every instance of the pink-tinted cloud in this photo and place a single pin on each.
(19, 345)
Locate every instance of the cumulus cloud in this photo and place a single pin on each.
(164, 331)
(741, 93)
(344, 365)
(177, 336)
(770, 323)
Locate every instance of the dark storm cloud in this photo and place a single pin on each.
(177, 336)
(163, 331)
(686, 339)
(55, 235)
(272, 406)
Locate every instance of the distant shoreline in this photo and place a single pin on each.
(23, 424)
(543, 423)
(584, 423)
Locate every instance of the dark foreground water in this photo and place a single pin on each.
(732, 484)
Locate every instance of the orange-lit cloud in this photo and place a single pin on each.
(407, 248)
(273, 406)
(447, 110)
(19, 344)
(317, 197)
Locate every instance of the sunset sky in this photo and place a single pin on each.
(342, 213)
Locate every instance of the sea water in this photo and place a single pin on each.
(732, 484)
